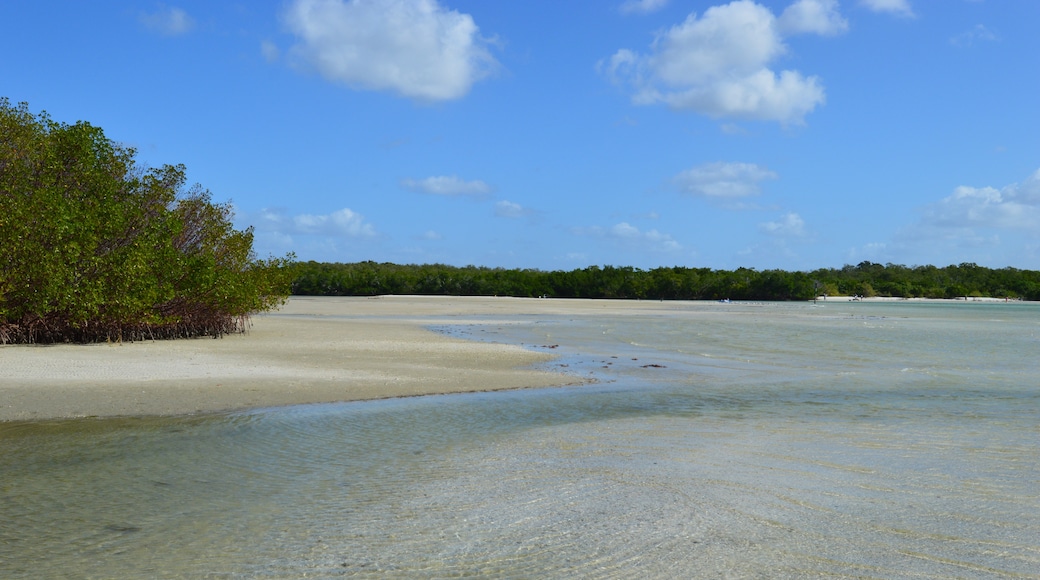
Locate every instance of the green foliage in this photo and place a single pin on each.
(676, 283)
(95, 247)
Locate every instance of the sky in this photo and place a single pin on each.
(567, 133)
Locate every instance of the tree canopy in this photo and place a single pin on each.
(94, 246)
(669, 283)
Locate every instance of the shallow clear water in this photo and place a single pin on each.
(752, 440)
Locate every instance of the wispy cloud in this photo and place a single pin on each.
(722, 181)
(642, 6)
(339, 233)
(270, 51)
(344, 223)
(872, 251)
(415, 48)
(788, 225)
(978, 33)
(167, 20)
(447, 185)
(895, 7)
(630, 236)
(508, 209)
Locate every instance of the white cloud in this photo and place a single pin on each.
(412, 47)
(270, 51)
(629, 235)
(651, 215)
(1014, 207)
(625, 231)
(508, 209)
(1028, 191)
(344, 222)
(979, 224)
(723, 180)
(642, 6)
(168, 21)
(447, 185)
(976, 34)
(813, 16)
(789, 225)
(896, 7)
(732, 129)
(431, 235)
(719, 64)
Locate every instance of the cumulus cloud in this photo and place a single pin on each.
(980, 224)
(447, 185)
(343, 222)
(813, 16)
(789, 225)
(642, 6)
(723, 180)
(999, 226)
(168, 21)
(629, 235)
(718, 64)
(1014, 207)
(415, 48)
(896, 7)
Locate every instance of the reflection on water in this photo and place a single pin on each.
(868, 440)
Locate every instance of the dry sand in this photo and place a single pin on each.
(313, 350)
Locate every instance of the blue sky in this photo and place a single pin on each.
(561, 134)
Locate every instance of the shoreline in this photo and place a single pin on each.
(902, 299)
(312, 350)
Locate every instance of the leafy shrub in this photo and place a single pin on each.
(95, 247)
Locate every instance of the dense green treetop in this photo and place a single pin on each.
(675, 283)
(93, 246)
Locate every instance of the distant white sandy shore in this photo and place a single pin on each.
(901, 299)
(312, 350)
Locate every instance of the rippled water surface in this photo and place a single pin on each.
(747, 440)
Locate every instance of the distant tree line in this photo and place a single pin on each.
(677, 283)
(95, 247)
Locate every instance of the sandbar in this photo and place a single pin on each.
(311, 350)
